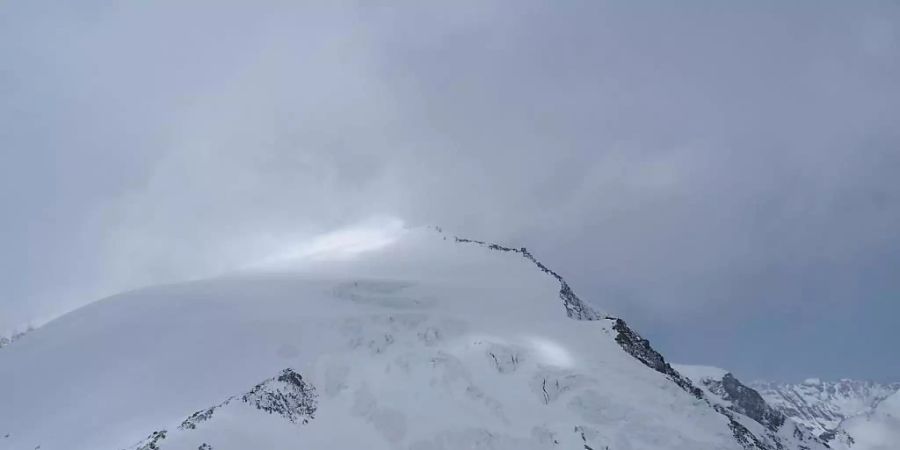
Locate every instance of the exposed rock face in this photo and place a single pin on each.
(4, 340)
(200, 416)
(153, 441)
(739, 402)
(286, 395)
(640, 348)
(747, 401)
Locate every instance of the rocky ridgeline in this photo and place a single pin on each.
(286, 395)
(640, 349)
(746, 402)
(15, 336)
(575, 308)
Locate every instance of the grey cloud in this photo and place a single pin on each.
(720, 171)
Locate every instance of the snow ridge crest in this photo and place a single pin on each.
(575, 307)
(288, 395)
(749, 410)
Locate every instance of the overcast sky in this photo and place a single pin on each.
(726, 176)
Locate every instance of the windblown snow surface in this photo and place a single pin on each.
(878, 430)
(424, 344)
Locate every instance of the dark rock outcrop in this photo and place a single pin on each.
(286, 395)
(747, 401)
(200, 416)
(640, 349)
(152, 441)
(4, 341)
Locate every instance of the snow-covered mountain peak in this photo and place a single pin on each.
(286, 396)
(428, 342)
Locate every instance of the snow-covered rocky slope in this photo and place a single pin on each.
(823, 406)
(878, 429)
(14, 336)
(428, 343)
(723, 389)
(847, 414)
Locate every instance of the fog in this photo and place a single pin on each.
(724, 177)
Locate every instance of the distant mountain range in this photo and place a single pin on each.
(824, 406)
(837, 412)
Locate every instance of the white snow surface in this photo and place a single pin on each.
(700, 373)
(879, 430)
(421, 344)
(844, 406)
(789, 434)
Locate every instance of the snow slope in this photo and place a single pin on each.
(14, 336)
(425, 343)
(752, 410)
(879, 429)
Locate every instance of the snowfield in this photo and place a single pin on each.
(426, 343)
(879, 430)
